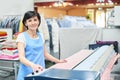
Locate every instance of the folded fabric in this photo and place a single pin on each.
(8, 57)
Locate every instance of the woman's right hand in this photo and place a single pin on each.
(36, 68)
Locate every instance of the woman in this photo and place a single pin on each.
(31, 48)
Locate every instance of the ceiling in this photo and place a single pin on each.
(74, 2)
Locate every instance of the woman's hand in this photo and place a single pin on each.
(36, 68)
(62, 61)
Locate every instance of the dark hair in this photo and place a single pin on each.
(30, 14)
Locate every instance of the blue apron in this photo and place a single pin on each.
(34, 52)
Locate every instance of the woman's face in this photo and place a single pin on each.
(32, 23)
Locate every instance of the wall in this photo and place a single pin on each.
(51, 12)
(77, 12)
(56, 12)
(15, 7)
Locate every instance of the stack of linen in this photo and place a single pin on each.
(9, 50)
(9, 47)
(3, 36)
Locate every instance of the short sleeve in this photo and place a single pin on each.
(20, 38)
